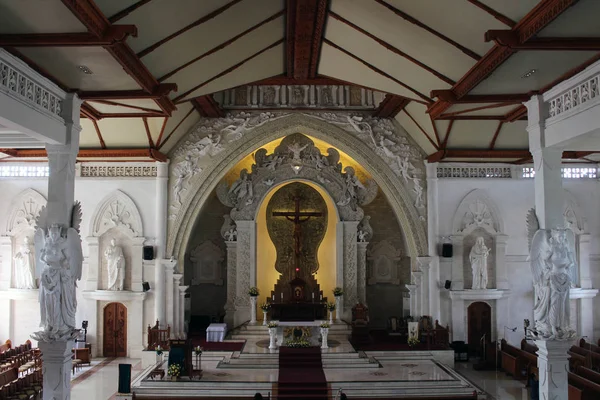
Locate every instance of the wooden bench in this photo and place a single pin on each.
(512, 360)
(581, 388)
(592, 358)
(589, 346)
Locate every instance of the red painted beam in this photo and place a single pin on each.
(391, 106)
(305, 23)
(92, 153)
(207, 107)
(113, 35)
(161, 90)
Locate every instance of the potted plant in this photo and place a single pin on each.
(272, 325)
(174, 371)
(331, 308)
(413, 341)
(265, 307)
(253, 291)
(338, 291)
(198, 354)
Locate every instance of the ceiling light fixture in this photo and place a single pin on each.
(84, 69)
(529, 73)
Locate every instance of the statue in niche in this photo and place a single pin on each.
(59, 265)
(296, 148)
(115, 265)
(552, 265)
(242, 187)
(478, 258)
(297, 95)
(269, 96)
(25, 267)
(327, 99)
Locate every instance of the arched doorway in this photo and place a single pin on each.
(115, 330)
(479, 323)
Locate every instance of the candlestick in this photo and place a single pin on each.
(281, 295)
(273, 297)
(321, 298)
(313, 296)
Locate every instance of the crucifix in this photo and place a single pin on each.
(297, 217)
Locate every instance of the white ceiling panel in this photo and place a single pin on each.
(472, 134)
(123, 132)
(415, 133)
(182, 127)
(417, 42)
(50, 16)
(487, 111)
(88, 138)
(112, 7)
(585, 12)
(549, 65)
(144, 103)
(112, 109)
(62, 62)
(417, 111)
(513, 9)
(513, 135)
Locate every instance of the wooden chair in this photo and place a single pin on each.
(158, 337)
(395, 326)
(83, 355)
(360, 323)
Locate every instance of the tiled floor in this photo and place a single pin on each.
(101, 380)
(496, 383)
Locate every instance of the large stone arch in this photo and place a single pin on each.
(202, 184)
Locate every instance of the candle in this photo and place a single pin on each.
(273, 297)
(313, 296)
(321, 298)
(281, 295)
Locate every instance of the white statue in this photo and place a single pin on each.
(115, 265)
(231, 235)
(25, 267)
(362, 236)
(296, 149)
(552, 265)
(478, 258)
(418, 189)
(243, 186)
(59, 260)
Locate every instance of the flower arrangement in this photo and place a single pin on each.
(253, 291)
(159, 350)
(331, 306)
(413, 341)
(265, 307)
(174, 370)
(197, 350)
(338, 291)
(325, 325)
(272, 325)
(297, 343)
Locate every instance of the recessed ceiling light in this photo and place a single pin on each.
(84, 69)
(529, 73)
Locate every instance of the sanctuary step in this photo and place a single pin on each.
(301, 374)
(259, 331)
(328, 360)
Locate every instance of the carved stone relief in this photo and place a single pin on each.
(384, 261)
(207, 261)
(117, 211)
(477, 210)
(244, 253)
(297, 157)
(350, 266)
(478, 215)
(23, 212)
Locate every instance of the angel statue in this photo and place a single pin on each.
(59, 256)
(552, 265)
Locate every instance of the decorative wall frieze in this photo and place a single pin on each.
(300, 96)
(117, 210)
(474, 172)
(104, 170)
(24, 211)
(297, 157)
(575, 97)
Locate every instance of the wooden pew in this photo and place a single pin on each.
(593, 359)
(589, 346)
(512, 360)
(6, 346)
(588, 374)
(582, 389)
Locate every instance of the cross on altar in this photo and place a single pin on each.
(297, 217)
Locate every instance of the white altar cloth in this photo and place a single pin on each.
(315, 330)
(216, 332)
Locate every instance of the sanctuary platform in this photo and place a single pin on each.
(381, 374)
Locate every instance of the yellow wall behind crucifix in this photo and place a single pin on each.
(266, 255)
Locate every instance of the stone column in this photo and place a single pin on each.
(182, 324)
(361, 274)
(169, 268)
(61, 197)
(458, 319)
(231, 282)
(458, 282)
(432, 240)
(137, 263)
(245, 263)
(585, 276)
(94, 264)
(501, 268)
(412, 299)
(417, 280)
(553, 367)
(6, 272)
(252, 310)
(162, 181)
(348, 258)
(176, 304)
(424, 264)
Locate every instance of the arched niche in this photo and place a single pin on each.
(20, 224)
(184, 209)
(116, 217)
(478, 216)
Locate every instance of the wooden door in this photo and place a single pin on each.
(115, 330)
(479, 323)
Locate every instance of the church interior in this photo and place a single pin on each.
(299, 199)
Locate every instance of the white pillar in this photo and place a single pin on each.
(458, 319)
(252, 310)
(417, 280)
(424, 265)
(182, 324)
(245, 269)
(231, 282)
(169, 269)
(553, 367)
(361, 271)
(176, 305)
(585, 276)
(412, 300)
(458, 280)
(162, 180)
(501, 268)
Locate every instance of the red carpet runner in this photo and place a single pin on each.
(301, 375)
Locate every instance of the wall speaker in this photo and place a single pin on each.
(124, 378)
(447, 250)
(447, 284)
(148, 253)
(145, 286)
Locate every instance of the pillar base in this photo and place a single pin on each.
(56, 357)
(553, 365)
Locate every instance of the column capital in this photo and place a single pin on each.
(417, 276)
(412, 289)
(231, 245)
(177, 278)
(424, 262)
(431, 170)
(183, 289)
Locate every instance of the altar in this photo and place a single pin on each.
(308, 330)
(298, 311)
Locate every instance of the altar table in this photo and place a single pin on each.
(314, 328)
(216, 332)
(298, 311)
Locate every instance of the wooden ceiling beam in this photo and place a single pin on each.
(510, 39)
(161, 90)
(496, 133)
(499, 16)
(199, 21)
(477, 153)
(113, 35)
(305, 22)
(537, 19)
(450, 97)
(125, 12)
(92, 153)
(445, 117)
(418, 23)
(519, 112)
(391, 106)
(207, 106)
(392, 48)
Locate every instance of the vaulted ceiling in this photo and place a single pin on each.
(455, 71)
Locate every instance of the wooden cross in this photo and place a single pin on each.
(297, 218)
